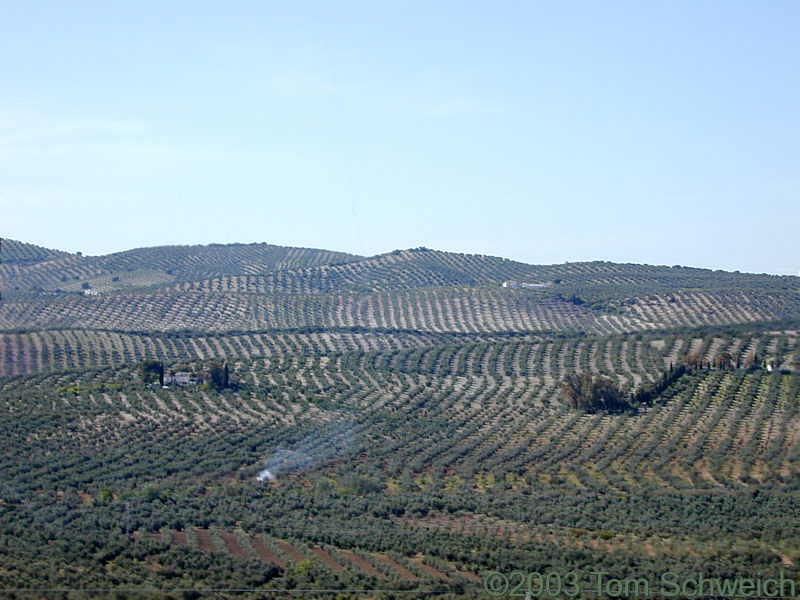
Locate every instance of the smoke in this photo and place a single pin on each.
(284, 460)
(316, 447)
(266, 474)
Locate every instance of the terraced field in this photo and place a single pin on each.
(70, 349)
(496, 405)
(409, 411)
(469, 310)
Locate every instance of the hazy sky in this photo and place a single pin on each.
(657, 132)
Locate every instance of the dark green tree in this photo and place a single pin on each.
(587, 392)
(151, 371)
(219, 376)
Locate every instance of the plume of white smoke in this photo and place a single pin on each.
(265, 475)
(316, 447)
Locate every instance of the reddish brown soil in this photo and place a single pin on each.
(265, 553)
(154, 536)
(178, 538)
(204, 540)
(363, 564)
(291, 551)
(327, 559)
(401, 570)
(432, 572)
(232, 544)
(152, 565)
(471, 576)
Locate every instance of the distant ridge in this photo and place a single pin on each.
(26, 267)
(281, 269)
(262, 287)
(21, 253)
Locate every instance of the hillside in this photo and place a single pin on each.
(28, 268)
(258, 287)
(409, 407)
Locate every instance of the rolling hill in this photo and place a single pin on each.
(410, 407)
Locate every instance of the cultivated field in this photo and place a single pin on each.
(410, 408)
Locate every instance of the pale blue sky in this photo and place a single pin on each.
(658, 132)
